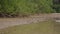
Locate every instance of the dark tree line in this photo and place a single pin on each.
(56, 5)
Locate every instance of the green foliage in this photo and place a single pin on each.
(45, 6)
(25, 7)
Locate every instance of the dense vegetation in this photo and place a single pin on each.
(14, 8)
(56, 5)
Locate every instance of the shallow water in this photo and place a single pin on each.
(57, 28)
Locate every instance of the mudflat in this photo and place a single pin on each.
(6, 22)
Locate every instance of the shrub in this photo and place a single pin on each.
(24, 7)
